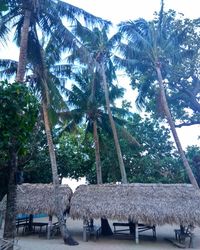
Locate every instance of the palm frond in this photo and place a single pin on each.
(4, 30)
(62, 70)
(142, 93)
(123, 133)
(71, 12)
(121, 113)
(124, 63)
(84, 33)
(8, 68)
(55, 96)
(114, 41)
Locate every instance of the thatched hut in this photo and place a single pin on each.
(152, 204)
(36, 199)
(39, 198)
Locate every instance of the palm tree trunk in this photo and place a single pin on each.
(63, 228)
(173, 128)
(10, 225)
(23, 47)
(105, 227)
(97, 153)
(112, 123)
(10, 220)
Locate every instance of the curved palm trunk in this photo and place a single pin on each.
(23, 47)
(173, 129)
(10, 225)
(63, 228)
(112, 123)
(97, 154)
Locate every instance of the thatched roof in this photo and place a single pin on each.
(154, 204)
(39, 198)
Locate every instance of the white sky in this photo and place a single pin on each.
(122, 10)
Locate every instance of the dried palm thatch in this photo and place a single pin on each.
(39, 198)
(154, 204)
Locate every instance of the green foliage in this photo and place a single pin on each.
(193, 154)
(3, 5)
(154, 161)
(18, 114)
(75, 154)
(75, 158)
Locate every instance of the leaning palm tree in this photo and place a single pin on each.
(96, 52)
(43, 80)
(45, 84)
(148, 46)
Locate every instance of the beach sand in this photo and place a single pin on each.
(34, 242)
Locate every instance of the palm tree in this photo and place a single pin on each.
(148, 45)
(48, 15)
(50, 95)
(90, 109)
(86, 98)
(51, 99)
(96, 52)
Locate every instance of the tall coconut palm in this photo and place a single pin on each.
(22, 15)
(51, 100)
(85, 90)
(148, 46)
(86, 98)
(42, 79)
(96, 51)
(45, 84)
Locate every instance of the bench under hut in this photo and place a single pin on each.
(149, 204)
(35, 199)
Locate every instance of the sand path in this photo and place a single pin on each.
(34, 242)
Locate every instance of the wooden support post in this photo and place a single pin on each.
(49, 227)
(85, 230)
(1, 219)
(136, 233)
(30, 223)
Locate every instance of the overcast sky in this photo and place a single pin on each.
(122, 10)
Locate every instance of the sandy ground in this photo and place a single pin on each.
(34, 242)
